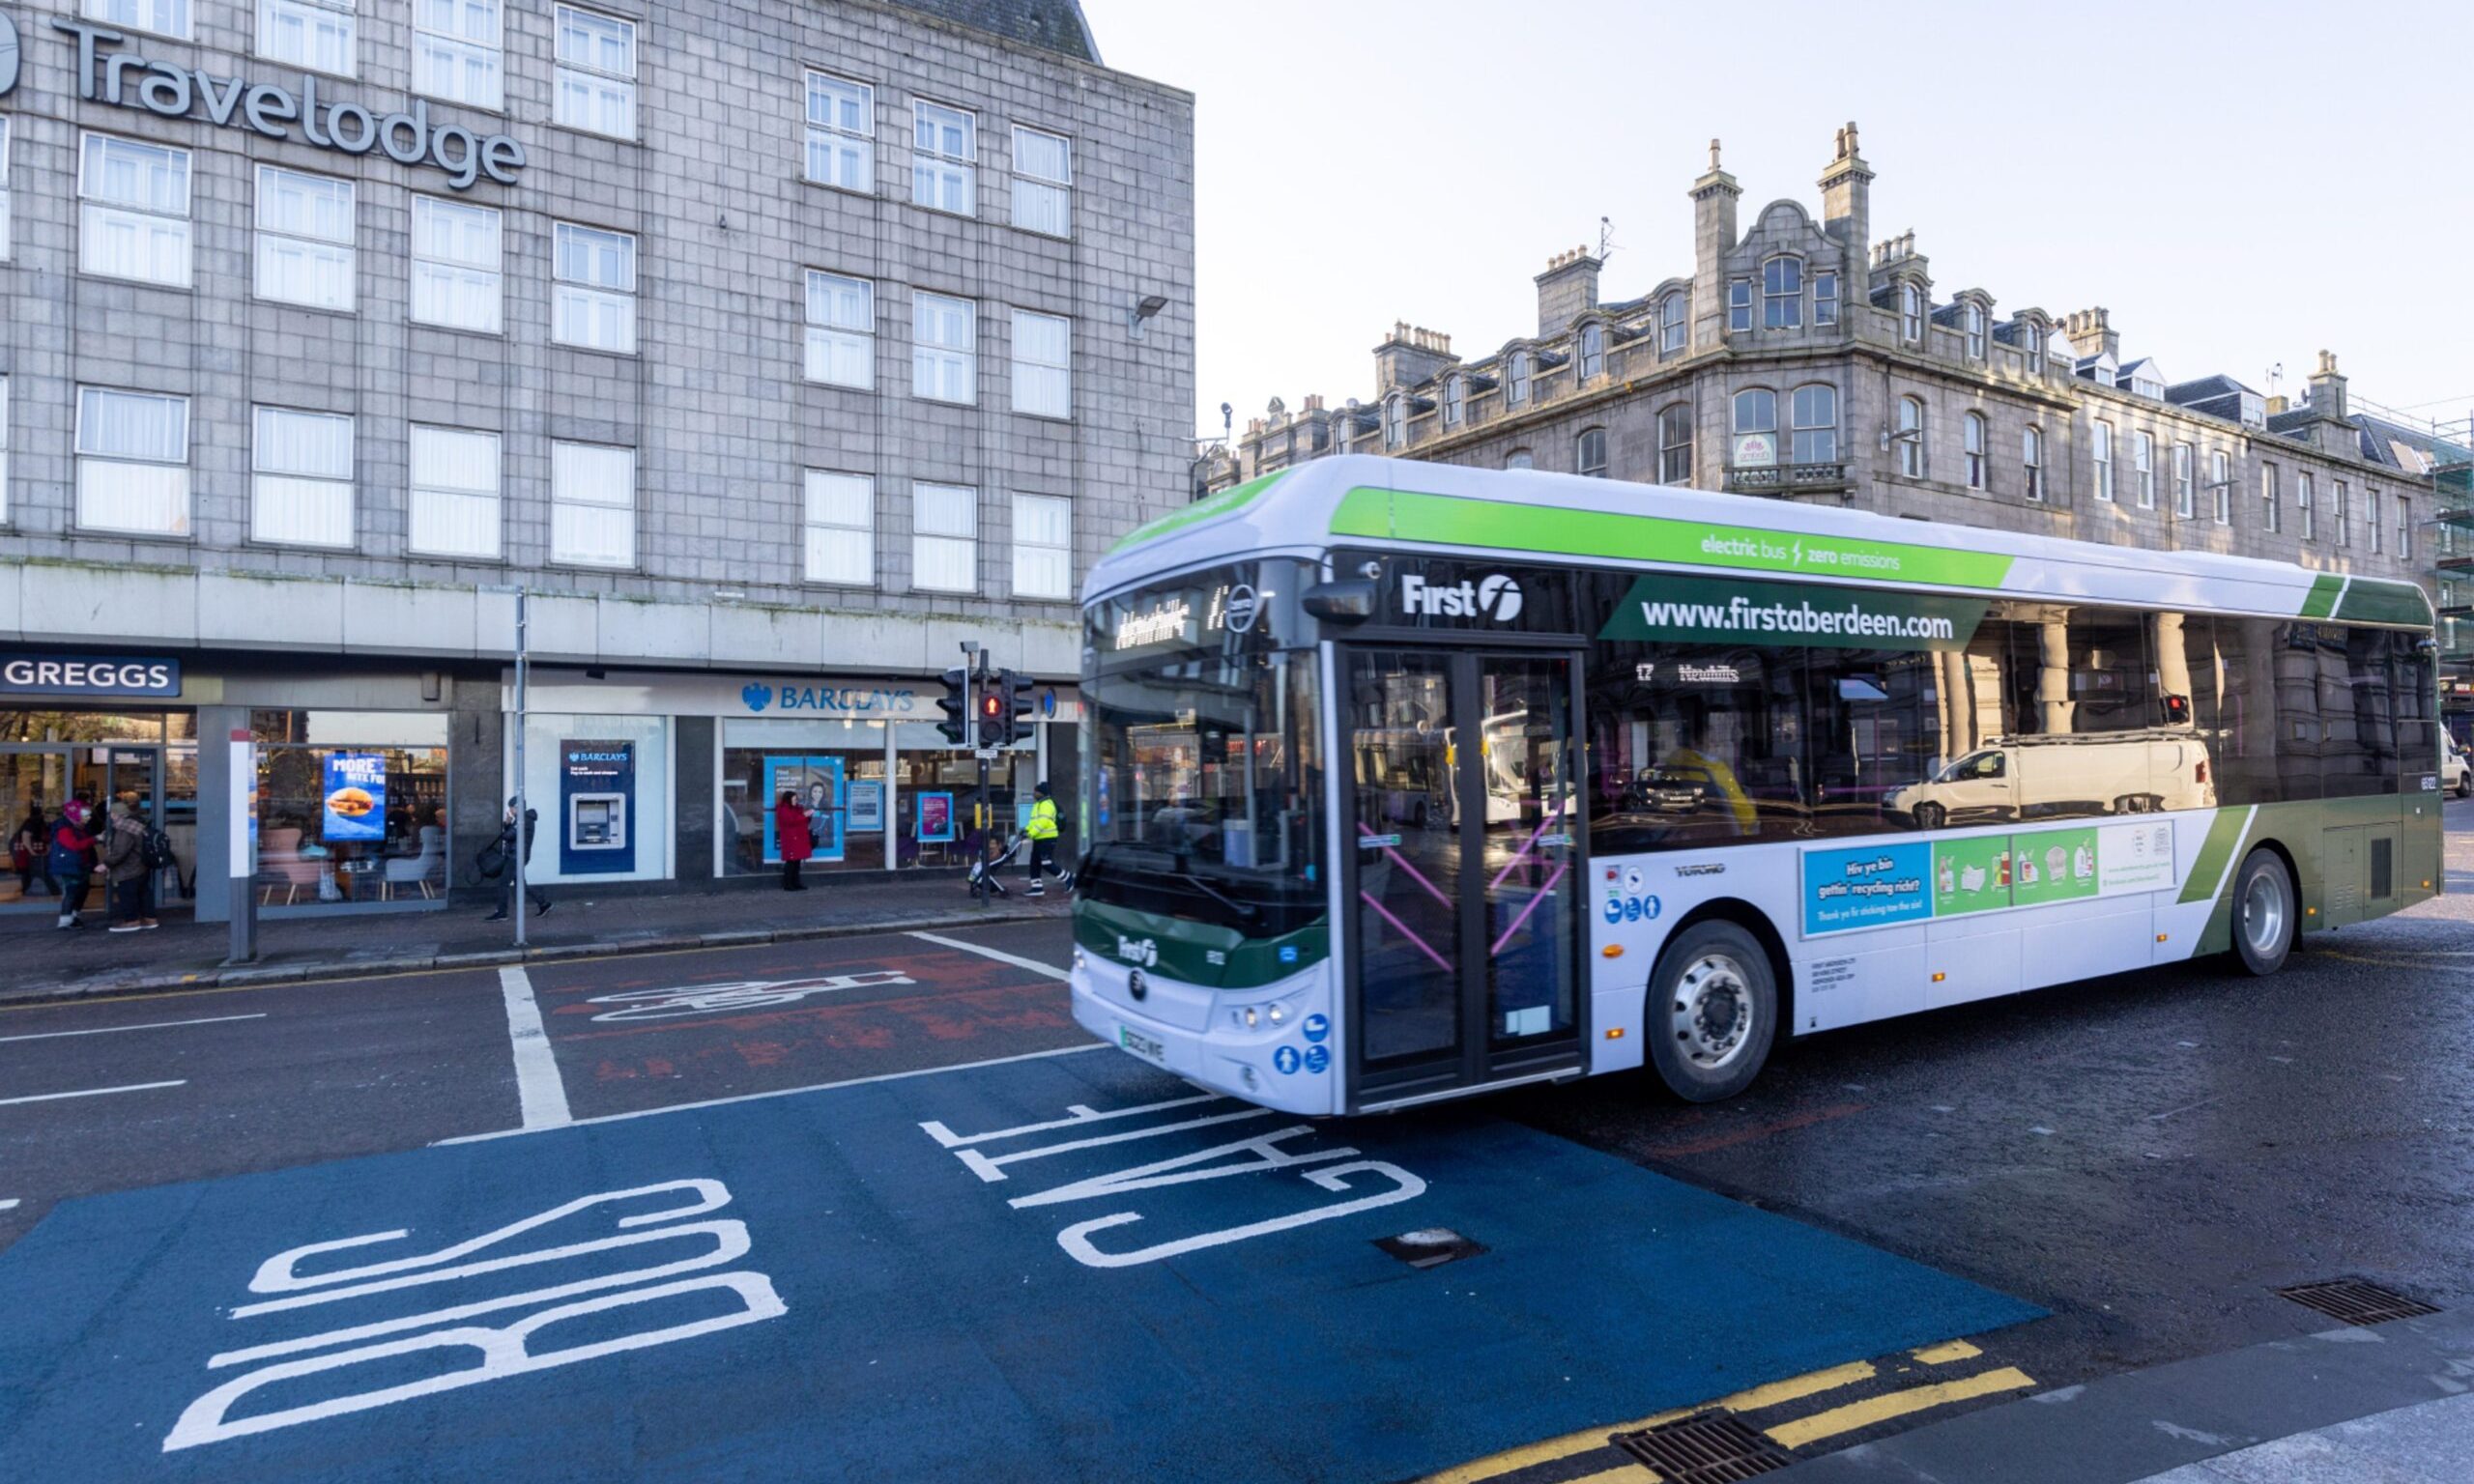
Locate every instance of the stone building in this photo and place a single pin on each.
(1800, 358)
(776, 346)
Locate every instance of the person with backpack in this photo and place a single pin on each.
(73, 861)
(505, 848)
(126, 872)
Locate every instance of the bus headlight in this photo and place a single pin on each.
(1278, 1014)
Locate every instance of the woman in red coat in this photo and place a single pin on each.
(790, 836)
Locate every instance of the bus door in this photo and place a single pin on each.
(1463, 853)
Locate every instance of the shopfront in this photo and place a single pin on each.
(145, 759)
(352, 808)
(862, 758)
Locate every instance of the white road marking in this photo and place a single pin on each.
(150, 1025)
(784, 1091)
(92, 1092)
(1032, 965)
(10, 1204)
(538, 1088)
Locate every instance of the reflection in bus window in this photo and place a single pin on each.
(1700, 745)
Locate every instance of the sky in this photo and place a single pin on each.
(2241, 186)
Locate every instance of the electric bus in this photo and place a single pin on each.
(1402, 782)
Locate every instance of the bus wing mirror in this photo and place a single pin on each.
(1350, 600)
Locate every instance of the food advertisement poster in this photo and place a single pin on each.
(2054, 866)
(356, 801)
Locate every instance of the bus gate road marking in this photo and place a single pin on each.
(150, 1025)
(823, 1275)
(92, 1092)
(735, 996)
(1048, 970)
(539, 1093)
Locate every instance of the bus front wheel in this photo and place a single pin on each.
(2263, 913)
(1713, 1012)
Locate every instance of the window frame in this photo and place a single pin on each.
(260, 473)
(1517, 379)
(966, 166)
(1589, 453)
(1396, 422)
(560, 67)
(93, 9)
(1455, 399)
(1738, 307)
(1971, 325)
(1022, 545)
(418, 256)
(82, 459)
(1592, 352)
(633, 505)
(2272, 516)
(2036, 349)
(2340, 517)
(592, 289)
(1674, 324)
(497, 49)
(92, 143)
(1910, 454)
(2302, 505)
(2186, 476)
(812, 529)
(827, 331)
(1976, 438)
(1042, 184)
(1668, 450)
(1782, 307)
(2219, 466)
(260, 232)
(2031, 461)
(1799, 431)
(415, 488)
(2143, 465)
(2100, 454)
(262, 29)
(1063, 371)
(920, 533)
(6, 518)
(825, 133)
(1824, 298)
(1911, 313)
(2371, 504)
(925, 352)
(8, 229)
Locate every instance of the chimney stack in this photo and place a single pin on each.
(1847, 194)
(1412, 354)
(2326, 396)
(2091, 333)
(1567, 288)
(1713, 236)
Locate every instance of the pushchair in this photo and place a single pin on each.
(1007, 854)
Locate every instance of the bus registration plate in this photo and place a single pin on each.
(1141, 1046)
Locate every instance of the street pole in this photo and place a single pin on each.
(975, 668)
(240, 805)
(523, 698)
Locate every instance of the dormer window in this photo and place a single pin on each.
(1739, 304)
(1396, 421)
(1456, 400)
(2255, 411)
(1910, 314)
(1782, 294)
(1592, 352)
(1824, 298)
(1972, 321)
(1673, 325)
(2144, 385)
(2036, 349)
(1518, 394)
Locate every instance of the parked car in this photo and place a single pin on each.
(2455, 775)
(2056, 777)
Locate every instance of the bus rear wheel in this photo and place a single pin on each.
(1713, 1012)
(2263, 913)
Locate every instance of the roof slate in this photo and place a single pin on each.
(1053, 25)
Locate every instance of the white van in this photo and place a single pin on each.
(2064, 777)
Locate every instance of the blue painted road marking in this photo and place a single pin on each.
(931, 1278)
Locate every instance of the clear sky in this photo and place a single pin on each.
(2240, 185)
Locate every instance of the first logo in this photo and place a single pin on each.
(8, 54)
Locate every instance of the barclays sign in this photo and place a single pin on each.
(128, 80)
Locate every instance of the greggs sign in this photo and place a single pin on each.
(128, 80)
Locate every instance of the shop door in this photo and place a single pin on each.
(108, 772)
(1465, 866)
(28, 779)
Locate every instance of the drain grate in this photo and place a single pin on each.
(2355, 1301)
(1708, 1447)
(1429, 1246)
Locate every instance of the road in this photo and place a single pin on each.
(986, 1246)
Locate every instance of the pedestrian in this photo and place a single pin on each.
(126, 870)
(30, 852)
(507, 853)
(73, 861)
(1041, 831)
(790, 836)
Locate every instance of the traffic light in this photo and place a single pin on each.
(1016, 688)
(956, 704)
(993, 721)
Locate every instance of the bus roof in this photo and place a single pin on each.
(1360, 500)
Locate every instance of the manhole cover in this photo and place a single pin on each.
(2355, 1301)
(1708, 1447)
(1429, 1246)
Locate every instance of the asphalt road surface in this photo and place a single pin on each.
(2087, 1179)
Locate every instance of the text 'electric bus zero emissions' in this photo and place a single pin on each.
(1403, 781)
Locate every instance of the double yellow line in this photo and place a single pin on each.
(1791, 1433)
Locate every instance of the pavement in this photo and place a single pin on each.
(48, 964)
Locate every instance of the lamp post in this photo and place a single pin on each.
(523, 698)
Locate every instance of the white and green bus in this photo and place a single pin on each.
(1402, 782)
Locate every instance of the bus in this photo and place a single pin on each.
(1402, 782)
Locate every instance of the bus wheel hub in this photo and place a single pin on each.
(1713, 1010)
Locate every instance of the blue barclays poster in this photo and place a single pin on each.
(355, 800)
(596, 809)
(816, 782)
(1870, 885)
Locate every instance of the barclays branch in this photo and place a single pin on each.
(328, 324)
